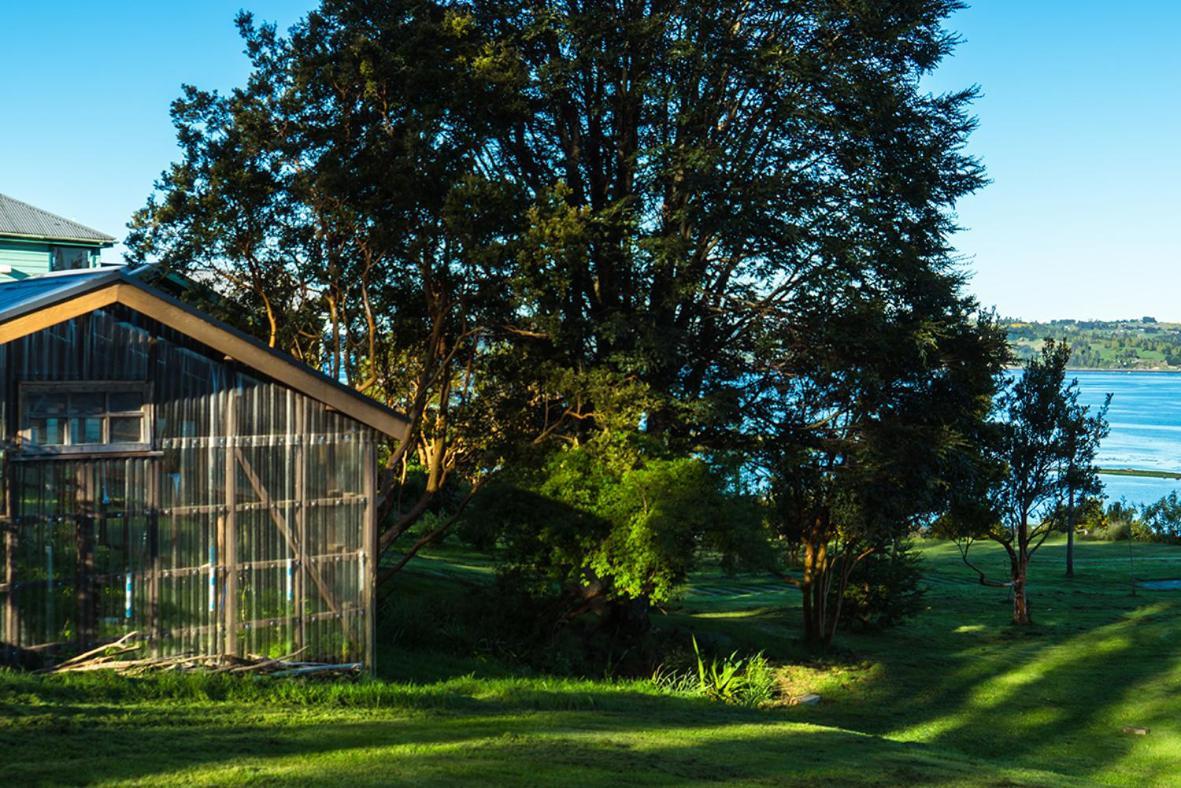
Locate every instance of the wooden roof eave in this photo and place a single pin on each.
(134, 295)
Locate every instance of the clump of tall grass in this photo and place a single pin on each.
(741, 681)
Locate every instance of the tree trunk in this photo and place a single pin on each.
(812, 587)
(1070, 535)
(1020, 599)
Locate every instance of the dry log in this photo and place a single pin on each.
(101, 652)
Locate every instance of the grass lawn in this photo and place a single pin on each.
(955, 696)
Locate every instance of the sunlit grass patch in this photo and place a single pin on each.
(954, 696)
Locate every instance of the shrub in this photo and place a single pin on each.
(1161, 521)
(589, 538)
(1116, 531)
(884, 589)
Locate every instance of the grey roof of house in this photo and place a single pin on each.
(21, 220)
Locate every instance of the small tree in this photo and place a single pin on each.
(1081, 476)
(1046, 443)
(866, 431)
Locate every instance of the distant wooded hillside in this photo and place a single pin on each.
(1143, 343)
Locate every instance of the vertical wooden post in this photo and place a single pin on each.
(11, 610)
(229, 550)
(155, 623)
(11, 632)
(217, 589)
(83, 580)
(85, 507)
(301, 520)
(153, 469)
(370, 550)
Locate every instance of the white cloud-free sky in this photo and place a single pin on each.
(1080, 129)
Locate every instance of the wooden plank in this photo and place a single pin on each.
(11, 609)
(83, 582)
(298, 456)
(230, 553)
(260, 623)
(370, 555)
(11, 632)
(58, 313)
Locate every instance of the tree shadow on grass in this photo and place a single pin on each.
(625, 738)
(987, 704)
(1055, 696)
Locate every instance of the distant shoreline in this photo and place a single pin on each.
(1145, 474)
(1154, 370)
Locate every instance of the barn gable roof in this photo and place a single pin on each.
(36, 303)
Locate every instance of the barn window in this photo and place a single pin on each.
(82, 416)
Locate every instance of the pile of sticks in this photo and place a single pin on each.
(119, 657)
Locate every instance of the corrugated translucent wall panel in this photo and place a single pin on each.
(240, 529)
(83, 549)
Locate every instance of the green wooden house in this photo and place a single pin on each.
(34, 241)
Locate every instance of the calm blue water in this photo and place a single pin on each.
(1145, 421)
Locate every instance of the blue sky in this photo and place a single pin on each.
(1079, 129)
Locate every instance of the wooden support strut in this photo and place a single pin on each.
(281, 523)
(369, 591)
(229, 550)
(298, 456)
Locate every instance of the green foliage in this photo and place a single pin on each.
(1097, 344)
(1043, 443)
(721, 678)
(462, 209)
(596, 524)
(1161, 520)
(1088, 513)
(883, 435)
(885, 588)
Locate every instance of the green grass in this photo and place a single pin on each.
(956, 696)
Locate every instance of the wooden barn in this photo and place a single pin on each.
(166, 474)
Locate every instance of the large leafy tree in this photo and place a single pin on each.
(1045, 443)
(754, 203)
(339, 197)
(506, 216)
(696, 167)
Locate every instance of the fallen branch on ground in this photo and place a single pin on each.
(113, 657)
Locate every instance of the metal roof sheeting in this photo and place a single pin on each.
(22, 220)
(24, 295)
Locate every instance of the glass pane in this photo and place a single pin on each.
(126, 429)
(47, 404)
(87, 404)
(47, 432)
(86, 431)
(70, 258)
(125, 401)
